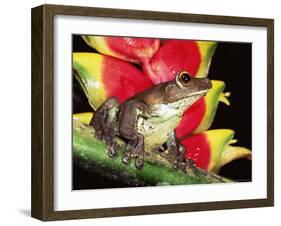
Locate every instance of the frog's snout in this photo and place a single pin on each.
(209, 84)
(205, 84)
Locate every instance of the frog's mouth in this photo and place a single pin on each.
(195, 96)
(199, 93)
(186, 101)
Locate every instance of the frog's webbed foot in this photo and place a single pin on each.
(179, 159)
(135, 149)
(178, 152)
(109, 137)
(104, 122)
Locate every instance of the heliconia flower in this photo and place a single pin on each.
(212, 149)
(103, 76)
(135, 50)
(177, 55)
(84, 117)
(199, 117)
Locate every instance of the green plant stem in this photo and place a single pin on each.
(90, 154)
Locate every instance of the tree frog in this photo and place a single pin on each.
(147, 121)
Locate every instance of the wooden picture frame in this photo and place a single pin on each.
(43, 111)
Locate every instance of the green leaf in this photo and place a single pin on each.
(90, 154)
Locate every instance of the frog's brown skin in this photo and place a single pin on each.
(147, 121)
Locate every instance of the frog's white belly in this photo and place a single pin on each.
(157, 128)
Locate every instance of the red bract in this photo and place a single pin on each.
(198, 149)
(177, 55)
(212, 149)
(121, 79)
(199, 117)
(102, 77)
(135, 50)
(192, 118)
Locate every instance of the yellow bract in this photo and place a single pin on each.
(89, 67)
(218, 140)
(212, 99)
(84, 117)
(98, 43)
(206, 50)
(222, 152)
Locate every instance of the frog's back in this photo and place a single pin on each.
(151, 96)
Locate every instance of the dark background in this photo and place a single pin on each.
(231, 63)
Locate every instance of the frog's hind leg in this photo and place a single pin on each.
(105, 123)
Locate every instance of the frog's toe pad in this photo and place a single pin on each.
(139, 162)
(182, 165)
(190, 163)
(111, 152)
(126, 160)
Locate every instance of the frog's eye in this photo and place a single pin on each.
(183, 78)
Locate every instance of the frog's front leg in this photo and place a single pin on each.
(178, 152)
(105, 123)
(129, 114)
